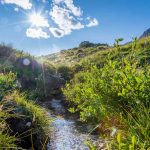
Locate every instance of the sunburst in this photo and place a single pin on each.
(38, 20)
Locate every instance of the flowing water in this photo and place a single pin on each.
(67, 134)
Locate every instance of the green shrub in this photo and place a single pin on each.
(121, 87)
(65, 72)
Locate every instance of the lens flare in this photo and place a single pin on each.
(38, 20)
(26, 62)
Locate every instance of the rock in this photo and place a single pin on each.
(28, 124)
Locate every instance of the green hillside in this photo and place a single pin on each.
(107, 87)
(22, 76)
(76, 54)
(67, 62)
(111, 89)
(74, 75)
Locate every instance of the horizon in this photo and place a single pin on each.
(43, 27)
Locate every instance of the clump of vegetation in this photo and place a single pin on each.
(12, 100)
(65, 72)
(116, 93)
(6, 84)
(75, 55)
(29, 108)
(108, 86)
(86, 44)
(6, 140)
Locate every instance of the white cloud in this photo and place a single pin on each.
(92, 22)
(68, 17)
(57, 32)
(25, 4)
(64, 19)
(36, 33)
(65, 15)
(70, 5)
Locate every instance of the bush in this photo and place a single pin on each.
(120, 89)
(65, 72)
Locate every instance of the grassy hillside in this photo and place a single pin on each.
(23, 123)
(68, 57)
(109, 87)
(111, 90)
(67, 66)
(67, 62)
(32, 73)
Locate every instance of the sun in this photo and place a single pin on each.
(38, 20)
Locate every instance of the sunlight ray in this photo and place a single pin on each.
(43, 76)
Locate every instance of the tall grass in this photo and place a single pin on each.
(39, 115)
(11, 99)
(6, 85)
(6, 141)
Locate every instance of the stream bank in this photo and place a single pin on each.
(67, 133)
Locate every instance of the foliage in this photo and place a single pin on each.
(75, 55)
(65, 72)
(86, 44)
(39, 115)
(118, 88)
(6, 85)
(6, 140)
(16, 74)
(8, 94)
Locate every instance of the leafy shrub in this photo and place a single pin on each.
(65, 72)
(121, 87)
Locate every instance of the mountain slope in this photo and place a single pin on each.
(146, 33)
(73, 55)
(30, 71)
(24, 81)
(112, 89)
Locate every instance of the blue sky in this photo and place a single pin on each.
(46, 26)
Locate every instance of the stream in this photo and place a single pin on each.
(66, 133)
